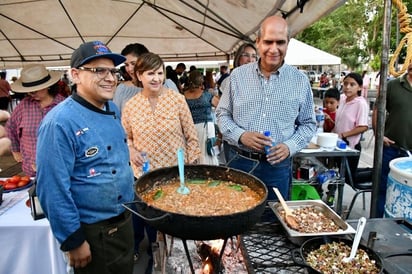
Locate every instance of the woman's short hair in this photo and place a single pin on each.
(148, 61)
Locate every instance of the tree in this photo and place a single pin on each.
(354, 33)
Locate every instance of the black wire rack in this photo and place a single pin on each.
(266, 248)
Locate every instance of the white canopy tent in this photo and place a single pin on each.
(48, 31)
(301, 54)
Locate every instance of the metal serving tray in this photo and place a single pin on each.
(297, 237)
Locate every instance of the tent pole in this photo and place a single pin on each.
(381, 109)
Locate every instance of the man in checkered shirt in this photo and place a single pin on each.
(268, 95)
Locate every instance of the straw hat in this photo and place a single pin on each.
(35, 77)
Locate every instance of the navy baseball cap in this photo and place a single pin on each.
(92, 50)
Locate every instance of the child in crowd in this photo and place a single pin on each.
(330, 104)
(352, 116)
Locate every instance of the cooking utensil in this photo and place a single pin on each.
(199, 227)
(300, 255)
(183, 189)
(289, 218)
(356, 240)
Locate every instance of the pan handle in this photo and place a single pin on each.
(397, 254)
(297, 257)
(126, 205)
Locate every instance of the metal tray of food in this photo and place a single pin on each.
(298, 237)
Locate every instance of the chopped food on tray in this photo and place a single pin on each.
(327, 259)
(311, 220)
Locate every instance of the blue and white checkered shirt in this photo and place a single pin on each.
(282, 104)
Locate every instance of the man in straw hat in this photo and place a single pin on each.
(40, 86)
(83, 170)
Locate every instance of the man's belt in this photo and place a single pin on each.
(251, 155)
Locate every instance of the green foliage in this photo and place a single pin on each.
(354, 33)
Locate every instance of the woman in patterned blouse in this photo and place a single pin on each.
(158, 120)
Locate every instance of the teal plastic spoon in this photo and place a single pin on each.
(183, 189)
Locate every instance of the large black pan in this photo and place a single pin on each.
(200, 227)
(299, 255)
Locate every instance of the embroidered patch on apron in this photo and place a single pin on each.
(93, 173)
(91, 151)
(81, 131)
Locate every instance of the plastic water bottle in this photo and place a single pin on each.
(327, 181)
(146, 163)
(326, 176)
(267, 148)
(320, 119)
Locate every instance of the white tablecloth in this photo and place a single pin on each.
(27, 246)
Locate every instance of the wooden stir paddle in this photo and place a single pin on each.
(289, 218)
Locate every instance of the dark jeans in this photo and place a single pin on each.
(229, 153)
(388, 154)
(111, 245)
(140, 226)
(278, 175)
(353, 162)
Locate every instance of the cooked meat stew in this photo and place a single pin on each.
(328, 260)
(206, 198)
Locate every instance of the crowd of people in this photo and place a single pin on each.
(96, 136)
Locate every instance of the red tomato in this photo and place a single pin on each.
(22, 183)
(10, 186)
(25, 178)
(15, 179)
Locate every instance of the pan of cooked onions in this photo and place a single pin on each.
(325, 255)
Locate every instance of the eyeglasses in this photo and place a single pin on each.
(248, 55)
(102, 72)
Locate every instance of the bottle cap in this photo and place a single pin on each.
(266, 133)
(341, 144)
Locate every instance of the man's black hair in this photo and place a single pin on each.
(136, 49)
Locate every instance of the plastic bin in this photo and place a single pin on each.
(304, 191)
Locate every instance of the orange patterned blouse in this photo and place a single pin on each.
(161, 132)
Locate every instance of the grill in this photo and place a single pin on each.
(266, 248)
